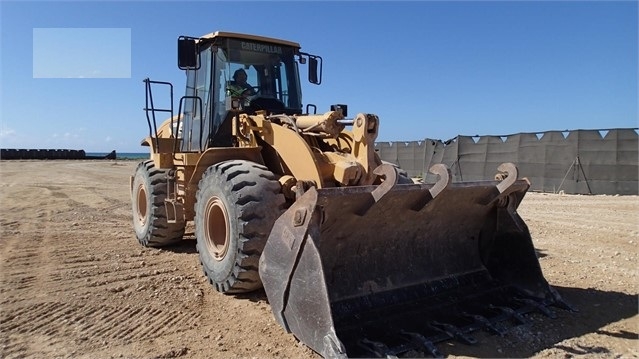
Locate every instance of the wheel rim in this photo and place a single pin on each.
(216, 228)
(141, 205)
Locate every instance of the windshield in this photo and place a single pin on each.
(264, 75)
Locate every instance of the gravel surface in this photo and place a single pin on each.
(75, 283)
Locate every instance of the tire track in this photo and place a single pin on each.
(17, 282)
(77, 266)
(90, 323)
(16, 268)
(36, 263)
(11, 349)
(38, 347)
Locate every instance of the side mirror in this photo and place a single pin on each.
(187, 53)
(315, 69)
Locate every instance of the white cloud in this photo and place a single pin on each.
(6, 132)
(106, 53)
(67, 135)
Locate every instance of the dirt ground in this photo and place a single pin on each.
(75, 283)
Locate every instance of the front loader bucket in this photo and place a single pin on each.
(373, 271)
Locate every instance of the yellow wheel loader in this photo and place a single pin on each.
(355, 258)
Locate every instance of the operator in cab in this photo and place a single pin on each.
(239, 87)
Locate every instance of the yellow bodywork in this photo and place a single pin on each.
(314, 149)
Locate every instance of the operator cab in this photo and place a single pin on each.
(210, 101)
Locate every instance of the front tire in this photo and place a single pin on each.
(237, 204)
(149, 212)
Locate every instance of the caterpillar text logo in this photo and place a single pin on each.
(269, 49)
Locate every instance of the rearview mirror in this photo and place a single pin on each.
(187, 53)
(315, 69)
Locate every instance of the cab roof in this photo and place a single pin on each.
(236, 35)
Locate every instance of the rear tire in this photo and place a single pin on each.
(149, 212)
(237, 204)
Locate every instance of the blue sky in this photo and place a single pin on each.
(72, 71)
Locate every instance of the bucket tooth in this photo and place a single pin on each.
(511, 313)
(484, 322)
(540, 307)
(421, 342)
(453, 331)
(561, 303)
(553, 298)
(378, 349)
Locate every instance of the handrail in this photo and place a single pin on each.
(149, 101)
